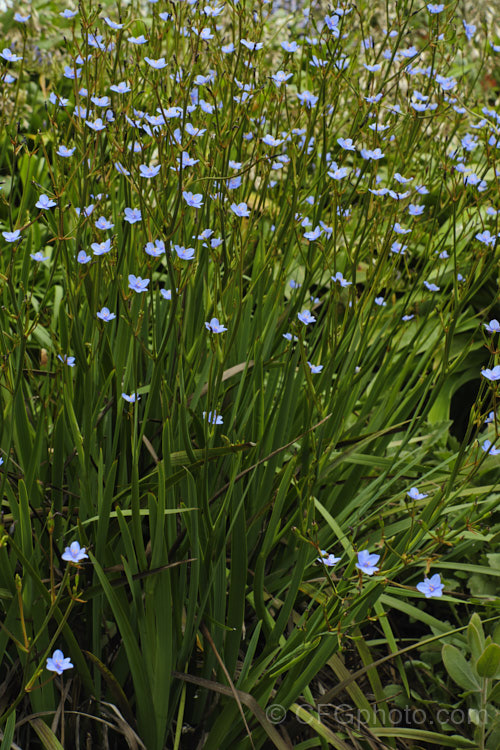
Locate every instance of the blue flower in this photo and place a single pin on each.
(132, 398)
(367, 563)
(38, 256)
(434, 8)
(314, 368)
(307, 98)
(240, 209)
(101, 248)
(74, 553)
(489, 448)
(103, 223)
(339, 279)
(486, 237)
(414, 493)
(415, 210)
(493, 326)
(58, 663)
(97, 125)
(137, 284)
(12, 236)
(305, 317)
(112, 24)
(185, 253)
(346, 144)
(70, 361)
(213, 417)
(280, 77)
(64, 151)
(380, 301)
(106, 315)
(45, 202)
(215, 327)
(83, 257)
(149, 171)
(156, 64)
(193, 199)
(493, 374)
(132, 215)
(252, 46)
(431, 586)
(328, 559)
(10, 56)
(431, 287)
(155, 249)
(120, 88)
(137, 39)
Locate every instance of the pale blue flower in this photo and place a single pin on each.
(305, 317)
(489, 448)
(12, 236)
(185, 253)
(215, 327)
(103, 223)
(149, 171)
(486, 237)
(70, 361)
(280, 77)
(45, 202)
(58, 663)
(156, 64)
(431, 286)
(252, 46)
(193, 199)
(74, 553)
(83, 258)
(415, 494)
(106, 315)
(120, 88)
(97, 125)
(307, 98)
(240, 209)
(367, 562)
(137, 284)
(328, 559)
(101, 248)
(346, 144)
(38, 256)
(132, 215)
(112, 24)
(493, 374)
(380, 301)
(10, 56)
(493, 326)
(314, 368)
(155, 249)
(213, 417)
(339, 279)
(64, 151)
(132, 398)
(431, 586)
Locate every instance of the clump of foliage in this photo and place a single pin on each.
(248, 261)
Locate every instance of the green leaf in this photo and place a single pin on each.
(475, 636)
(8, 734)
(46, 735)
(488, 663)
(459, 668)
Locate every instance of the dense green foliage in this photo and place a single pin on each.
(243, 330)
